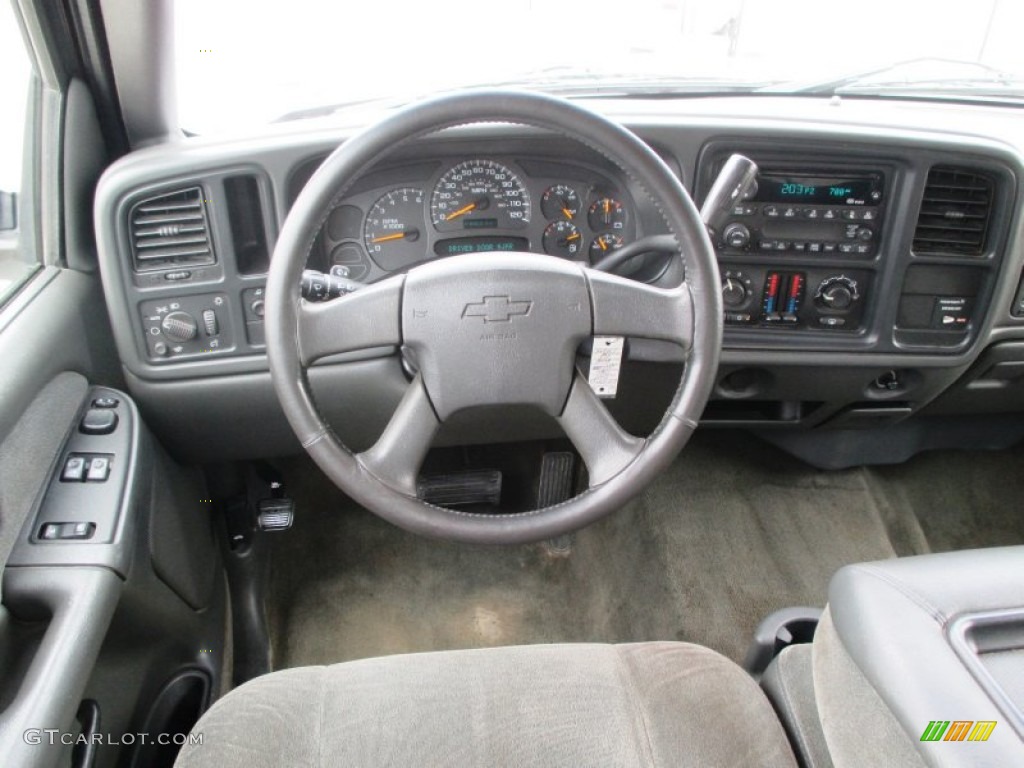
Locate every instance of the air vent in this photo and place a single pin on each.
(171, 231)
(954, 214)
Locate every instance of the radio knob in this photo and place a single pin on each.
(180, 326)
(736, 235)
(865, 233)
(837, 292)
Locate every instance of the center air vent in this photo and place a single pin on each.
(171, 231)
(954, 215)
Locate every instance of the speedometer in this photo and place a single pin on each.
(479, 194)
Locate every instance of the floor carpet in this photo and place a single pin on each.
(732, 531)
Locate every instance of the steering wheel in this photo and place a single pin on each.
(493, 329)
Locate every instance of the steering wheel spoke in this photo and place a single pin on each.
(624, 307)
(396, 457)
(606, 447)
(369, 317)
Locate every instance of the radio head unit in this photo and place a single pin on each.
(819, 190)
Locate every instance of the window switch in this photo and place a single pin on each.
(99, 469)
(74, 470)
(50, 531)
(98, 421)
(77, 530)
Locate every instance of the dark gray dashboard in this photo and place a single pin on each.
(877, 310)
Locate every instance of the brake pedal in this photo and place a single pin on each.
(557, 476)
(456, 489)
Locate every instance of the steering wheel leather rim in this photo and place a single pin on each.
(285, 312)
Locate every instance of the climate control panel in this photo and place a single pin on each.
(794, 297)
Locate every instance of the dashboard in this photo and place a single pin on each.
(872, 276)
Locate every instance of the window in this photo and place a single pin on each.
(17, 260)
(306, 57)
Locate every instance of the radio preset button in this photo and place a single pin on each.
(771, 211)
(766, 245)
(831, 321)
(812, 213)
(828, 213)
(814, 247)
(790, 213)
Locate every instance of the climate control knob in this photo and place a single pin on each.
(734, 293)
(838, 292)
(736, 235)
(180, 326)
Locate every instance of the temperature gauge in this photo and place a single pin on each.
(605, 244)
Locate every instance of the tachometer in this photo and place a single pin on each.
(393, 227)
(479, 194)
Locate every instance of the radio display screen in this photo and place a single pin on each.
(818, 191)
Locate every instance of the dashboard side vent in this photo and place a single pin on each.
(955, 211)
(171, 231)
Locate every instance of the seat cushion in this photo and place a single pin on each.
(670, 704)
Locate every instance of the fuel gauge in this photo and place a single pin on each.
(563, 238)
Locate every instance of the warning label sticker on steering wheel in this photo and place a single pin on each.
(605, 364)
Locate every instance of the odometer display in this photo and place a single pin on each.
(479, 194)
(485, 244)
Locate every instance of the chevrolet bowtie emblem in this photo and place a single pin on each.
(497, 309)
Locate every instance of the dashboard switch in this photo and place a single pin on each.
(210, 322)
(99, 470)
(74, 470)
(98, 421)
(77, 530)
(179, 326)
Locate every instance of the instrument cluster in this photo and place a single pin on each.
(479, 205)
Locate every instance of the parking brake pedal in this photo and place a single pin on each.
(557, 475)
(457, 489)
(275, 514)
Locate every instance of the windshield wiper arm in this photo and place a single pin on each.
(862, 79)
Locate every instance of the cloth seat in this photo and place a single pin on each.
(644, 704)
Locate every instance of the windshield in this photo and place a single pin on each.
(245, 63)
